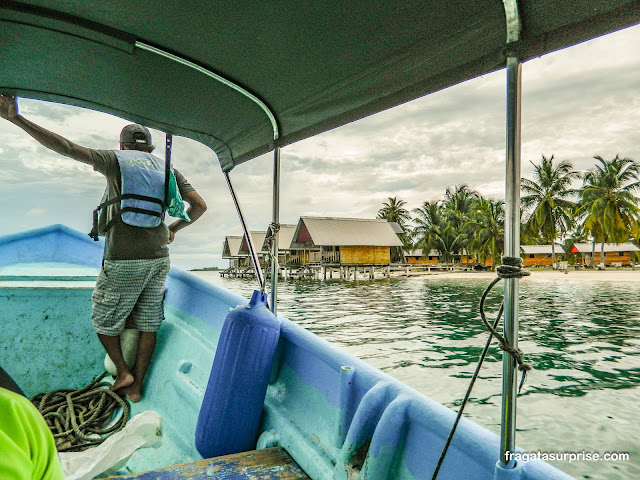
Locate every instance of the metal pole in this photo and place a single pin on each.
(511, 249)
(511, 234)
(167, 169)
(274, 230)
(247, 235)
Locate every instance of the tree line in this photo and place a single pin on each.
(602, 209)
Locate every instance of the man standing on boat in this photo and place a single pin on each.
(130, 288)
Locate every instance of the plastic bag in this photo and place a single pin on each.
(143, 430)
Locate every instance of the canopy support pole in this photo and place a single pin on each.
(167, 169)
(511, 249)
(275, 227)
(247, 235)
(511, 236)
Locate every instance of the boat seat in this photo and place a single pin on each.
(270, 463)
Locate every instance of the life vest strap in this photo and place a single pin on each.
(135, 196)
(132, 196)
(141, 210)
(94, 231)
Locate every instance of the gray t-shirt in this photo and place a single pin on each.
(126, 242)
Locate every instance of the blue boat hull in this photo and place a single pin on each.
(337, 416)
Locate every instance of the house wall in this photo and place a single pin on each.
(609, 258)
(244, 262)
(539, 259)
(434, 260)
(487, 263)
(365, 255)
(304, 257)
(415, 260)
(284, 257)
(303, 235)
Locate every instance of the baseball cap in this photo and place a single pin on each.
(135, 133)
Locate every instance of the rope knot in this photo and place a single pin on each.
(517, 354)
(275, 227)
(511, 268)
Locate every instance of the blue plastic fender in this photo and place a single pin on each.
(230, 414)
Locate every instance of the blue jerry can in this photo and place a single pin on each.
(230, 414)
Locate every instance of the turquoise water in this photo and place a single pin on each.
(582, 338)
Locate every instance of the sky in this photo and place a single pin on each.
(576, 103)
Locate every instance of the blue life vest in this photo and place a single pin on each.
(142, 193)
(142, 190)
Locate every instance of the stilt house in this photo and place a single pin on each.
(231, 248)
(258, 242)
(285, 235)
(343, 241)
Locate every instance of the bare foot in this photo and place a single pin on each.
(122, 381)
(132, 392)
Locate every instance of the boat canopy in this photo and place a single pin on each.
(245, 76)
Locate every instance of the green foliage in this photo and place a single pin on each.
(394, 211)
(546, 200)
(487, 225)
(608, 207)
(463, 221)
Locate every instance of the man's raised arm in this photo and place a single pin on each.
(53, 141)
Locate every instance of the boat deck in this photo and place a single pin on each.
(268, 464)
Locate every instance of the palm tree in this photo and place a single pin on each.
(429, 225)
(458, 205)
(487, 224)
(607, 204)
(394, 211)
(547, 199)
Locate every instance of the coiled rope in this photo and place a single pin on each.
(511, 268)
(78, 418)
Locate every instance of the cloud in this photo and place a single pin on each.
(36, 211)
(576, 103)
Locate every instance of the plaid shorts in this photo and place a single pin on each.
(131, 293)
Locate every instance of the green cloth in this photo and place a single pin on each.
(176, 205)
(27, 448)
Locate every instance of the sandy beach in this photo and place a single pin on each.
(608, 275)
